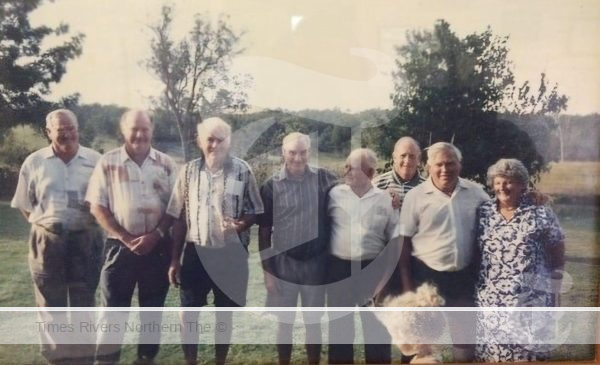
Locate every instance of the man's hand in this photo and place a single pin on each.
(271, 283)
(396, 199)
(143, 245)
(175, 274)
(237, 225)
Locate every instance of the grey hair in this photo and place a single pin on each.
(295, 136)
(51, 117)
(213, 123)
(508, 167)
(407, 140)
(438, 147)
(368, 158)
(133, 112)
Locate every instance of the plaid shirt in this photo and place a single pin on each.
(53, 192)
(193, 195)
(136, 195)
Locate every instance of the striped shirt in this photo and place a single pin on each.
(207, 198)
(296, 209)
(136, 195)
(391, 181)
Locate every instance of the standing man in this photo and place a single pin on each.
(215, 202)
(293, 239)
(400, 180)
(65, 243)
(363, 225)
(129, 191)
(438, 222)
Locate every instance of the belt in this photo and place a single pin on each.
(59, 228)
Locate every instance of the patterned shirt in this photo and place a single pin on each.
(206, 199)
(296, 210)
(392, 181)
(53, 191)
(136, 195)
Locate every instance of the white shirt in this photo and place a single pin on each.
(361, 226)
(52, 191)
(136, 195)
(442, 227)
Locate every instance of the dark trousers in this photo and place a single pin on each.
(353, 283)
(224, 271)
(122, 271)
(65, 268)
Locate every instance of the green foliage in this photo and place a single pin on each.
(451, 89)
(195, 73)
(27, 69)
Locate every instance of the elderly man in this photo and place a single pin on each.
(363, 224)
(65, 243)
(293, 239)
(438, 222)
(215, 202)
(129, 191)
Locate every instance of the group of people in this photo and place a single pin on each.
(324, 242)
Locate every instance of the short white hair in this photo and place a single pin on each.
(53, 116)
(367, 156)
(131, 113)
(407, 139)
(213, 123)
(439, 147)
(295, 136)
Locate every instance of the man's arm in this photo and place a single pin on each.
(25, 214)
(144, 244)
(107, 220)
(179, 232)
(264, 246)
(405, 269)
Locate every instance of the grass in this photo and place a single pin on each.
(581, 224)
(572, 179)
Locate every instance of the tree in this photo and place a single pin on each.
(452, 89)
(27, 70)
(195, 73)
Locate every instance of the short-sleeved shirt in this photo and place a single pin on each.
(53, 191)
(361, 226)
(207, 198)
(296, 210)
(391, 181)
(442, 227)
(136, 195)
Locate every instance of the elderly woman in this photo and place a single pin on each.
(522, 253)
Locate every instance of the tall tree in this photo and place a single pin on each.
(195, 73)
(452, 89)
(27, 69)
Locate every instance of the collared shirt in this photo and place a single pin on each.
(442, 227)
(53, 191)
(392, 181)
(136, 195)
(296, 208)
(361, 226)
(207, 198)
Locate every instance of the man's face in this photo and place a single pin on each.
(137, 131)
(407, 158)
(444, 169)
(63, 133)
(215, 144)
(295, 156)
(355, 173)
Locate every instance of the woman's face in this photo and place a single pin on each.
(508, 190)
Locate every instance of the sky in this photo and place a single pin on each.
(326, 54)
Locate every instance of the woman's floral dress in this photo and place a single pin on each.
(515, 272)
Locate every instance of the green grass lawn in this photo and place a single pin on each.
(581, 224)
